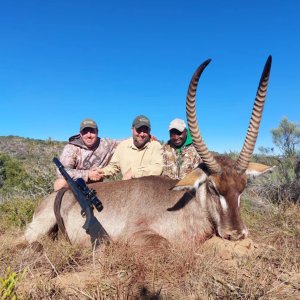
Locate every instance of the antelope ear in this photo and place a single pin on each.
(191, 181)
(256, 169)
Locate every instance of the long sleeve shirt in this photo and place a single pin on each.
(78, 159)
(177, 164)
(142, 162)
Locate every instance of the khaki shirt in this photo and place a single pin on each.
(142, 162)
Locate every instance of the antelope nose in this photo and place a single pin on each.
(235, 235)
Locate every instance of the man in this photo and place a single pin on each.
(179, 155)
(137, 156)
(84, 153)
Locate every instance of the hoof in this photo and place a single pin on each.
(37, 246)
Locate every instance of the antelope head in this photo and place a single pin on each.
(224, 179)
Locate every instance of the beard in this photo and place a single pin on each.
(140, 142)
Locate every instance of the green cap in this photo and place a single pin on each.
(140, 121)
(88, 123)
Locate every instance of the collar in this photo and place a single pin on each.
(132, 146)
(76, 140)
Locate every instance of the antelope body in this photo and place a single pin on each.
(157, 210)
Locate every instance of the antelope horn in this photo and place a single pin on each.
(198, 142)
(250, 140)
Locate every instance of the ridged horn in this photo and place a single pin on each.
(198, 142)
(253, 128)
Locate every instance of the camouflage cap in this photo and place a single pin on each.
(88, 123)
(140, 121)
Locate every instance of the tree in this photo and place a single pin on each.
(287, 137)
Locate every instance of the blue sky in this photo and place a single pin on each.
(63, 61)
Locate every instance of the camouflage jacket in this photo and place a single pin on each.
(78, 159)
(179, 162)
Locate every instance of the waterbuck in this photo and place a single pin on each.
(156, 210)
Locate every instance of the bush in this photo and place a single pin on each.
(282, 185)
(15, 182)
(12, 172)
(16, 212)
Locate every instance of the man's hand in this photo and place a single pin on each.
(59, 184)
(95, 175)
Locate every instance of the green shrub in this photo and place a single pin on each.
(16, 212)
(35, 182)
(8, 284)
(281, 185)
(12, 172)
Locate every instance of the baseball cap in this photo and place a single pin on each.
(140, 121)
(88, 123)
(177, 124)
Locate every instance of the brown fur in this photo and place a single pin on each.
(147, 213)
(140, 211)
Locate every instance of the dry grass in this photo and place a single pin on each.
(269, 269)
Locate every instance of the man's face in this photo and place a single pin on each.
(89, 136)
(140, 136)
(177, 138)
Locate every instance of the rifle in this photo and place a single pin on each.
(87, 200)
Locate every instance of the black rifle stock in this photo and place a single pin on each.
(87, 200)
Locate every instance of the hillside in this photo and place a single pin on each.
(26, 148)
(31, 169)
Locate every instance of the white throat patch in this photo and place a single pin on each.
(223, 203)
(239, 200)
